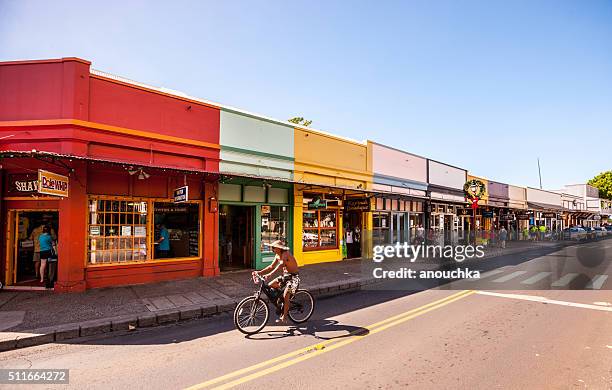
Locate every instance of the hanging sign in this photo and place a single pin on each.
(50, 183)
(523, 216)
(317, 203)
(22, 184)
(549, 215)
(358, 204)
(506, 217)
(487, 214)
(181, 194)
(464, 212)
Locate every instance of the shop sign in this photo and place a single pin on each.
(140, 231)
(506, 217)
(549, 215)
(523, 216)
(464, 212)
(359, 204)
(596, 217)
(50, 183)
(126, 230)
(181, 194)
(487, 214)
(22, 183)
(317, 203)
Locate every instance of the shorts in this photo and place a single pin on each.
(44, 255)
(36, 257)
(289, 282)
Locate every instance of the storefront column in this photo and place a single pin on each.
(210, 230)
(298, 225)
(72, 233)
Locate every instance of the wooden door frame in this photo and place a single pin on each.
(12, 241)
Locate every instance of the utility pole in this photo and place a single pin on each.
(540, 173)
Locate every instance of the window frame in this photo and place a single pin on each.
(318, 229)
(150, 218)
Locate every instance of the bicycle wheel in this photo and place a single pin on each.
(302, 306)
(251, 315)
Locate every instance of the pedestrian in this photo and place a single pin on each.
(163, 243)
(503, 235)
(46, 246)
(34, 235)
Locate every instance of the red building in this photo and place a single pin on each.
(124, 148)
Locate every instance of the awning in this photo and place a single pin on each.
(544, 206)
(37, 153)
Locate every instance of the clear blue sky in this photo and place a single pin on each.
(485, 85)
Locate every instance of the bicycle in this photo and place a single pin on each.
(252, 313)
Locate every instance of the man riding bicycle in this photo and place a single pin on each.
(289, 281)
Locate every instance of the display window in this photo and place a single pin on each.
(381, 223)
(179, 224)
(131, 230)
(320, 229)
(274, 225)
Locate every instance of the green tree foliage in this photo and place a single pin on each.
(603, 182)
(298, 120)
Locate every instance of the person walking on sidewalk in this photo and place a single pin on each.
(503, 235)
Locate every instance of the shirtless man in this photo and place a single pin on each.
(289, 280)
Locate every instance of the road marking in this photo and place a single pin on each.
(534, 298)
(325, 346)
(596, 282)
(487, 274)
(509, 276)
(564, 281)
(536, 278)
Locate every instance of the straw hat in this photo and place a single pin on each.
(277, 244)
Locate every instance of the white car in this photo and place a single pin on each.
(574, 233)
(600, 232)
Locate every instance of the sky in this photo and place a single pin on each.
(489, 86)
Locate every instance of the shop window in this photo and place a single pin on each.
(380, 204)
(117, 231)
(274, 223)
(381, 223)
(320, 229)
(179, 224)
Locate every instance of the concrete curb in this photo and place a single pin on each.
(129, 323)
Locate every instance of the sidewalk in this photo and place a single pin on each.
(33, 317)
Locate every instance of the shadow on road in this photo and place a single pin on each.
(319, 329)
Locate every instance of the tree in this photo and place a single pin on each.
(298, 120)
(603, 182)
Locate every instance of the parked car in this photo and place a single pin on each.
(600, 232)
(609, 229)
(574, 233)
(590, 233)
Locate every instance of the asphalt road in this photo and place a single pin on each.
(435, 339)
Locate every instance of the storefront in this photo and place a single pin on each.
(401, 179)
(255, 194)
(445, 187)
(546, 207)
(252, 213)
(121, 218)
(118, 221)
(332, 198)
(397, 219)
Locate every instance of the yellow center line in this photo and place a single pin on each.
(325, 346)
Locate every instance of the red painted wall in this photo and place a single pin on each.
(134, 108)
(44, 89)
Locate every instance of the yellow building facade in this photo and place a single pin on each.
(331, 199)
